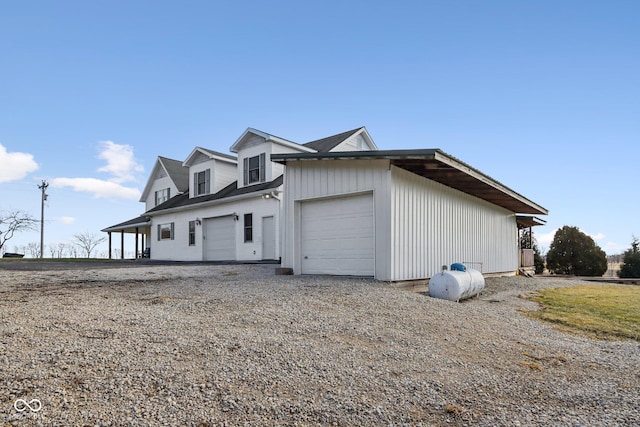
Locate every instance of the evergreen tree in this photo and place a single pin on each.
(631, 260)
(573, 252)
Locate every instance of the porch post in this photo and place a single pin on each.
(136, 253)
(122, 245)
(109, 233)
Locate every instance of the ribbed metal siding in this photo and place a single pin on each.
(433, 225)
(328, 178)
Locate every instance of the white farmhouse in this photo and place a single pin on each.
(337, 206)
(219, 207)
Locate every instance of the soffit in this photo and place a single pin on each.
(438, 166)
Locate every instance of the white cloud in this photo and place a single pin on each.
(596, 237)
(15, 165)
(614, 248)
(67, 219)
(121, 162)
(544, 240)
(100, 188)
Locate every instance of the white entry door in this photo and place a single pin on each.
(268, 238)
(337, 236)
(220, 239)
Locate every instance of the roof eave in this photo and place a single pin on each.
(222, 201)
(438, 166)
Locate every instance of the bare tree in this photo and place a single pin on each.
(33, 249)
(14, 222)
(88, 242)
(61, 250)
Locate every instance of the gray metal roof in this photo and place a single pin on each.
(438, 166)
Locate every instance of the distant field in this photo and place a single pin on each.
(612, 270)
(602, 311)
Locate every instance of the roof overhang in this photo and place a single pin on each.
(436, 165)
(267, 193)
(524, 221)
(131, 226)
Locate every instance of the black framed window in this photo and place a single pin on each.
(165, 231)
(248, 227)
(162, 195)
(254, 169)
(192, 233)
(201, 182)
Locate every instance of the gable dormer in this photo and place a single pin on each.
(167, 179)
(209, 171)
(254, 149)
(353, 140)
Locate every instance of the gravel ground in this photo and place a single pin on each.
(208, 345)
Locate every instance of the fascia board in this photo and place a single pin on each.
(150, 180)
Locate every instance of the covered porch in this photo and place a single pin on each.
(525, 239)
(140, 227)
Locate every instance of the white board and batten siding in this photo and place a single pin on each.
(435, 225)
(347, 193)
(418, 224)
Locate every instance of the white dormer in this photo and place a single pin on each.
(168, 179)
(209, 171)
(254, 149)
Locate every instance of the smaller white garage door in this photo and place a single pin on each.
(220, 239)
(337, 236)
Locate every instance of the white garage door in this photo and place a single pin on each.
(338, 236)
(220, 239)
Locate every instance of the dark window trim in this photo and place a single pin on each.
(205, 182)
(248, 228)
(171, 231)
(192, 233)
(261, 169)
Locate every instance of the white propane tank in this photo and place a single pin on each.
(456, 285)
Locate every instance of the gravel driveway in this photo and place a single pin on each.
(206, 345)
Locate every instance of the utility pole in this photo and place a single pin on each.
(42, 187)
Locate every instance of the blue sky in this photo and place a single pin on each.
(542, 96)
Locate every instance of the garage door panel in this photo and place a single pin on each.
(338, 236)
(220, 239)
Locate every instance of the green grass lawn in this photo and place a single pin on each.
(600, 311)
